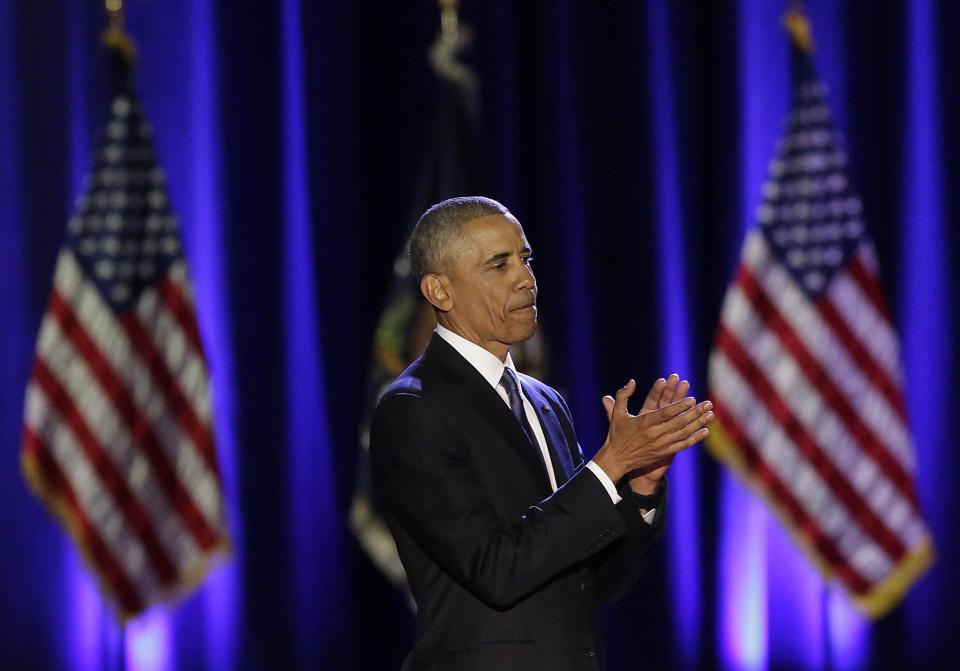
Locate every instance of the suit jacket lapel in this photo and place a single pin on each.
(562, 464)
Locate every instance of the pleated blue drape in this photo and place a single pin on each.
(632, 141)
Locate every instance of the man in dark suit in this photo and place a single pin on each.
(510, 541)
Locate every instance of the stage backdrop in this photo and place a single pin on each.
(631, 139)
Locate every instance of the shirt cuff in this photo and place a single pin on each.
(606, 482)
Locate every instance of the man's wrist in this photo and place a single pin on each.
(607, 464)
(642, 485)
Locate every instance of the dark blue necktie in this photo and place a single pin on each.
(509, 382)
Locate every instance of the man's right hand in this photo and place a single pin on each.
(637, 441)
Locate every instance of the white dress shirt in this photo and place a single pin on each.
(491, 368)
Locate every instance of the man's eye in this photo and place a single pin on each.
(499, 266)
(528, 260)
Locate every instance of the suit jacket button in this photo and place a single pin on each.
(583, 587)
(591, 653)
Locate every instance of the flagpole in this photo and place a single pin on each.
(123, 646)
(797, 24)
(826, 628)
(115, 36)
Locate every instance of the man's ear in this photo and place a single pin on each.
(434, 289)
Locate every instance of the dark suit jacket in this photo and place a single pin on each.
(506, 573)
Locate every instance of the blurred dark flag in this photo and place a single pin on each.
(805, 371)
(117, 438)
(451, 168)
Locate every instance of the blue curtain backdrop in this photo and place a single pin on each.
(632, 141)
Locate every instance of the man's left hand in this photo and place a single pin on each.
(662, 393)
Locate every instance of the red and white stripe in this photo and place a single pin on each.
(810, 394)
(803, 491)
(873, 384)
(118, 422)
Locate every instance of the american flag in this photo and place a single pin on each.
(117, 437)
(805, 370)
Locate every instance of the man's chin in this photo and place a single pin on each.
(524, 331)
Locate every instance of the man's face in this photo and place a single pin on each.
(491, 285)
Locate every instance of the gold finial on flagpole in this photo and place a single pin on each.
(798, 26)
(115, 36)
(449, 21)
(454, 39)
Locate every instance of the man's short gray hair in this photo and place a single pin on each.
(441, 227)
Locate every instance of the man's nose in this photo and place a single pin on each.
(527, 279)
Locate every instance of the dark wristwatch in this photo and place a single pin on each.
(650, 501)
